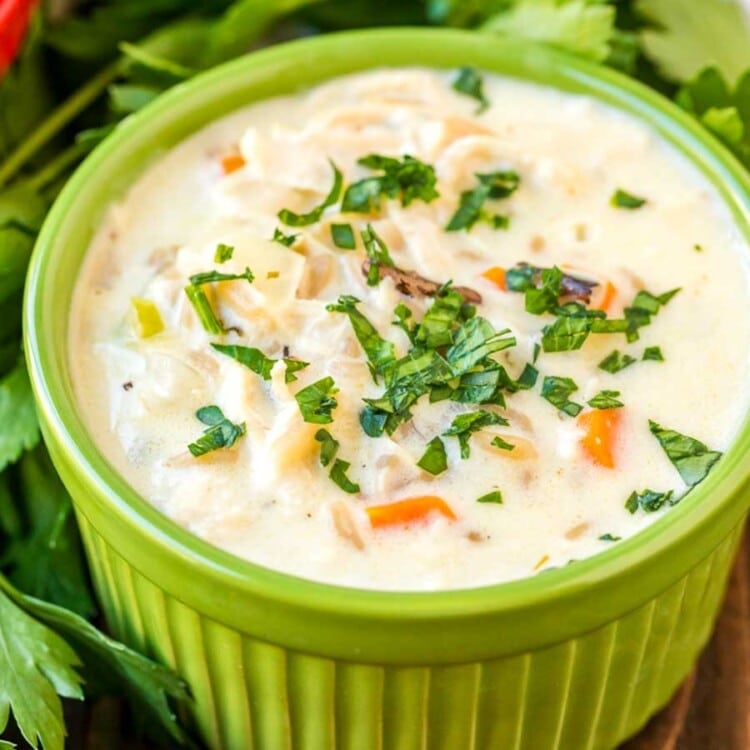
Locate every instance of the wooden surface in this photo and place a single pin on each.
(711, 711)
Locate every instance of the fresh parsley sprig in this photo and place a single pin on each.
(219, 433)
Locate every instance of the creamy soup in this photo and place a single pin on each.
(415, 329)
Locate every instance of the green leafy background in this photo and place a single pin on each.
(78, 74)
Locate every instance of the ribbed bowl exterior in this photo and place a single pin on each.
(573, 659)
(588, 693)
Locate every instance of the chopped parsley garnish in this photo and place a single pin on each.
(338, 475)
(616, 361)
(223, 253)
(465, 425)
(220, 432)
(492, 497)
(203, 309)
(469, 82)
(287, 240)
(343, 236)
(653, 353)
(210, 277)
(292, 219)
(380, 352)
(377, 254)
(500, 444)
(649, 501)
(624, 199)
(692, 459)
(544, 287)
(645, 305)
(328, 446)
(609, 538)
(606, 400)
(408, 179)
(558, 390)
(316, 401)
(491, 186)
(434, 460)
(258, 362)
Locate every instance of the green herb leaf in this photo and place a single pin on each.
(437, 326)
(377, 253)
(557, 390)
(606, 400)
(343, 236)
(465, 425)
(609, 538)
(643, 308)
(328, 446)
(316, 401)
(649, 501)
(380, 352)
(653, 353)
(287, 240)
(491, 186)
(623, 199)
(492, 497)
(474, 341)
(692, 459)
(500, 444)
(258, 362)
(338, 475)
(221, 432)
(408, 179)
(19, 428)
(567, 333)
(210, 277)
(292, 219)
(469, 82)
(223, 253)
(616, 361)
(434, 461)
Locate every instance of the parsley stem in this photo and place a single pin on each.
(64, 114)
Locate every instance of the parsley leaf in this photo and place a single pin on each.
(19, 429)
(258, 362)
(408, 179)
(377, 254)
(380, 352)
(491, 186)
(287, 240)
(616, 361)
(649, 501)
(643, 308)
(606, 400)
(469, 82)
(492, 497)
(343, 236)
(653, 353)
(338, 475)
(328, 446)
(475, 340)
(221, 432)
(609, 538)
(223, 253)
(316, 401)
(557, 390)
(692, 459)
(292, 219)
(500, 444)
(465, 425)
(434, 460)
(623, 199)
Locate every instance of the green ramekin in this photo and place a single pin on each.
(575, 659)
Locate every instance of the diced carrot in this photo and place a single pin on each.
(231, 163)
(406, 511)
(496, 275)
(601, 427)
(607, 298)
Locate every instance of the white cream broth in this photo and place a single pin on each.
(267, 498)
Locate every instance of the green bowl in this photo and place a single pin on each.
(577, 658)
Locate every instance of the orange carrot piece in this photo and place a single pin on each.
(600, 427)
(496, 275)
(406, 511)
(608, 297)
(231, 163)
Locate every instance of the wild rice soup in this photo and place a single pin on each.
(415, 330)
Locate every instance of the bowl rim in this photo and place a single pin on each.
(640, 566)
